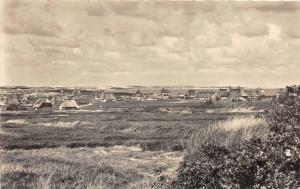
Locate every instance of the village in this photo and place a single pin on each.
(61, 99)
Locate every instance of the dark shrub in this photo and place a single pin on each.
(269, 163)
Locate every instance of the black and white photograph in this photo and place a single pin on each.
(120, 94)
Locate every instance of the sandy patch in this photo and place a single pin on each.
(66, 124)
(17, 121)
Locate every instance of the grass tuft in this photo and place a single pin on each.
(229, 132)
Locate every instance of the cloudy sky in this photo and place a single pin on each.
(96, 43)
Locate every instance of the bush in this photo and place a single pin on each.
(270, 163)
(230, 132)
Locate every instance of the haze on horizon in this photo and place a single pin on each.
(101, 43)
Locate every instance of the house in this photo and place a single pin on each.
(191, 94)
(137, 96)
(231, 93)
(99, 95)
(151, 96)
(58, 99)
(221, 94)
(69, 104)
(121, 95)
(2, 103)
(84, 98)
(254, 93)
(23, 98)
(236, 93)
(76, 93)
(164, 94)
(12, 103)
(42, 103)
(109, 97)
(203, 96)
(173, 95)
(181, 96)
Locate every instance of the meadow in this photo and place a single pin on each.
(104, 145)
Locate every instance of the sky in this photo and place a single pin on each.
(122, 43)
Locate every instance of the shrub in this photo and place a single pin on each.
(230, 132)
(256, 163)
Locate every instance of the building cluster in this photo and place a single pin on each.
(23, 98)
(44, 98)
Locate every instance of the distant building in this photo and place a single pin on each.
(203, 96)
(230, 93)
(2, 102)
(137, 96)
(23, 98)
(58, 99)
(191, 94)
(42, 103)
(254, 93)
(69, 105)
(85, 99)
(236, 93)
(84, 96)
(151, 96)
(181, 96)
(12, 103)
(164, 94)
(221, 94)
(109, 97)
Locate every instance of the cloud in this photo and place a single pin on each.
(253, 28)
(272, 6)
(292, 30)
(210, 35)
(175, 44)
(33, 20)
(278, 6)
(274, 32)
(113, 55)
(95, 9)
(178, 42)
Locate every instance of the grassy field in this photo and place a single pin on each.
(150, 127)
(112, 167)
(104, 145)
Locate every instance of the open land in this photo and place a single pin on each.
(122, 144)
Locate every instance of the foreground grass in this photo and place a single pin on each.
(113, 167)
(229, 132)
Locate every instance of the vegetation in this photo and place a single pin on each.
(78, 168)
(267, 162)
(153, 127)
(230, 132)
(78, 149)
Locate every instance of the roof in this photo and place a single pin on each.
(13, 100)
(69, 104)
(42, 102)
(2, 103)
(203, 95)
(109, 96)
(221, 93)
(237, 92)
(76, 92)
(165, 91)
(58, 98)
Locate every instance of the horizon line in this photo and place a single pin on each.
(146, 86)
